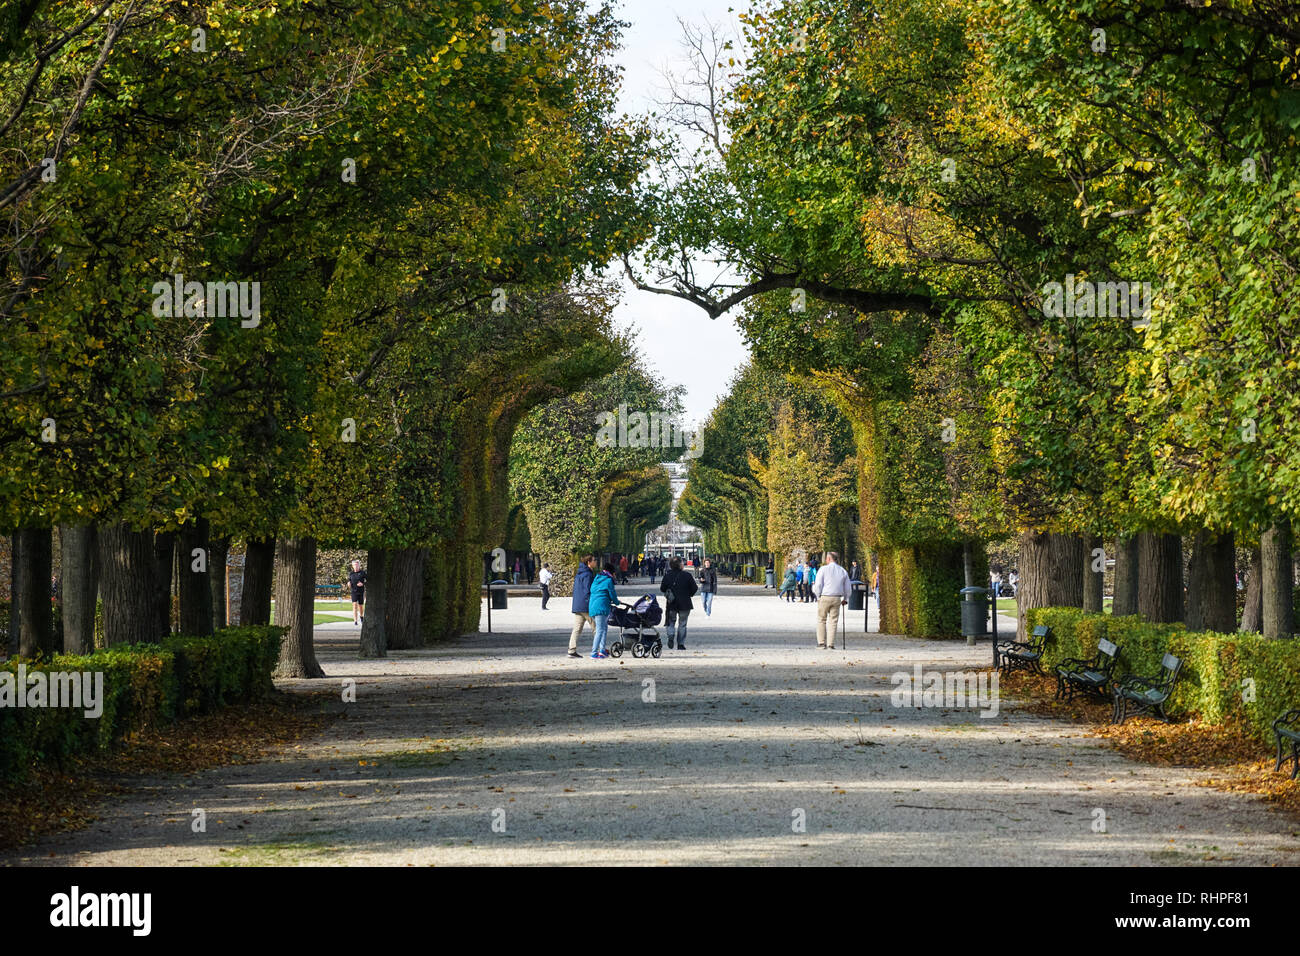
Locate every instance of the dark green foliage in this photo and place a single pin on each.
(144, 686)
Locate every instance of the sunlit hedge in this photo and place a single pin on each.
(1237, 679)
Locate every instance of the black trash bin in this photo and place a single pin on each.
(856, 596)
(974, 612)
(498, 595)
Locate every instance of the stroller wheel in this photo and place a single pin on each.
(638, 650)
(616, 649)
(656, 649)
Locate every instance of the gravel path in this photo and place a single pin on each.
(499, 749)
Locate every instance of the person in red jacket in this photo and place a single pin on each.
(622, 569)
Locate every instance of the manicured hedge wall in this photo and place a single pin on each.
(921, 588)
(145, 685)
(1216, 667)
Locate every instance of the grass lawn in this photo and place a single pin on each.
(329, 618)
(326, 612)
(1008, 606)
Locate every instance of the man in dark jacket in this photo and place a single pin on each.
(581, 595)
(708, 585)
(679, 585)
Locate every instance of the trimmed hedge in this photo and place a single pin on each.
(921, 587)
(1215, 666)
(145, 685)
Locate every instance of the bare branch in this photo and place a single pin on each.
(863, 301)
(19, 186)
(694, 96)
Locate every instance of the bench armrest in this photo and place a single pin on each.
(1138, 683)
(1290, 717)
(1016, 645)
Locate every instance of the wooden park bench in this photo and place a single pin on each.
(1027, 655)
(329, 590)
(1142, 694)
(1091, 675)
(1287, 727)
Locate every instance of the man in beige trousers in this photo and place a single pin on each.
(581, 594)
(831, 588)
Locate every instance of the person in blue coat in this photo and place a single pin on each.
(581, 594)
(603, 597)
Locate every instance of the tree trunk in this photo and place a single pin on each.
(967, 564)
(405, 587)
(36, 626)
(374, 643)
(1126, 576)
(1212, 583)
(15, 593)
(1279, 611)
(96, 576)
(433, 597)
(80, 589)
(468, 595)
(255, 594)
(1252, 612)
(164, 553)
(1051, 574)
(564, 565)
(127, 569)
(217, 550)
(295, 606)
(1093, 599)
(195, 590)
(1160, 577)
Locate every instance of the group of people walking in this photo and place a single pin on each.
(799, 581)
(800, 584)
(595, 594)
(829, 585)
(653, 566)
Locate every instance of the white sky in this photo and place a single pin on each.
(679, 340)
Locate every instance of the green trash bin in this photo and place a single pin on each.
(974, 613)
(498, 595)
(856, 596)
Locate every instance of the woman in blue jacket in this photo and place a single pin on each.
(603, 597)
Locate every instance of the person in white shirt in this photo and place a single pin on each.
(831, 588)
(545, 578)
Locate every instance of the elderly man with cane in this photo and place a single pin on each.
(831, 588)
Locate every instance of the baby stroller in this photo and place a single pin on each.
(637, 621)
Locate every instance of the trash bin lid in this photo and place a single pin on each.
(973, 590)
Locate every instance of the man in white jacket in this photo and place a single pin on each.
(545, 578)
(831, 588)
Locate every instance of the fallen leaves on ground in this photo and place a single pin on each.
(1240, 761)
(53, 801)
